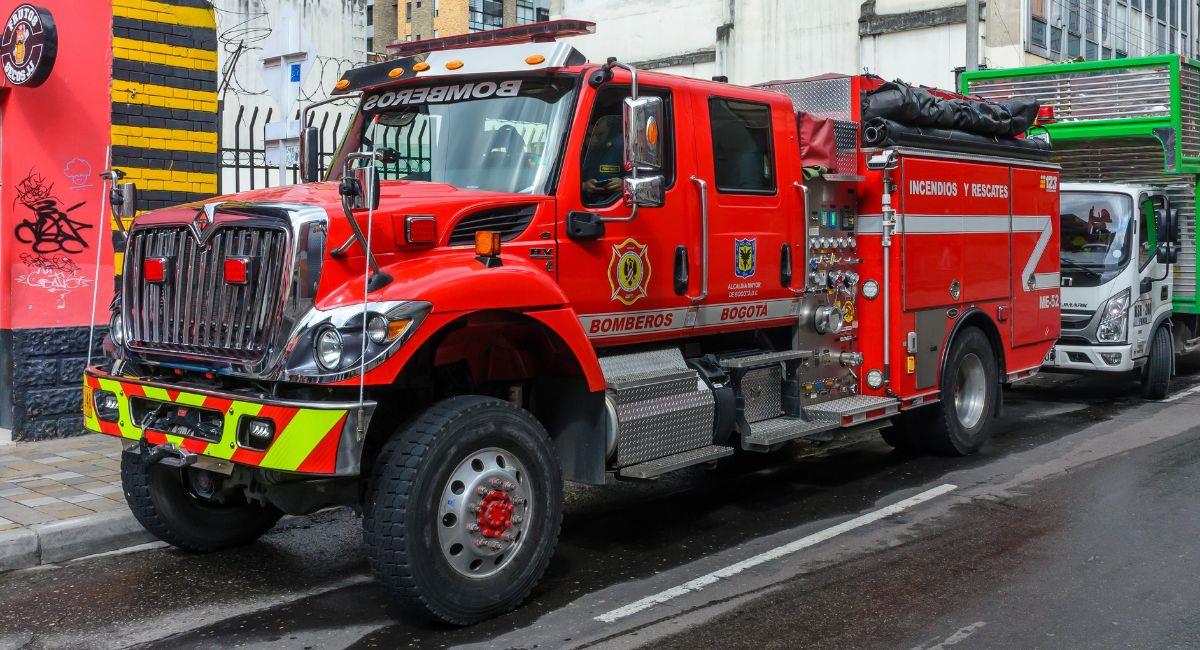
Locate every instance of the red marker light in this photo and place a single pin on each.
(1045, 115)
(237, 270)
(420, 230)
(154, 269)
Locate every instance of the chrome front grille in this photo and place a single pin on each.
(194, 311)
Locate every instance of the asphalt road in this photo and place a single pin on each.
(1076, 527)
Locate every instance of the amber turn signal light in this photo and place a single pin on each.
(487, 243)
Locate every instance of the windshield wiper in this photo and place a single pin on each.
(1079, 267)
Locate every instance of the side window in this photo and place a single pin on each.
(602, 166)
(743, 160)
(1144, 232)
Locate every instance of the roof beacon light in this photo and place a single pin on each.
(1045, 115)
(532, 33)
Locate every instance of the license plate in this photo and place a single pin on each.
(1050, 356)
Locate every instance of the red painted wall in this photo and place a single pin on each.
(53, 144)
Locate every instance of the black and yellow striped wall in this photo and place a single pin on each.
(164, 100)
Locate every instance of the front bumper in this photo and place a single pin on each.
(320, 438)
(1089, 358)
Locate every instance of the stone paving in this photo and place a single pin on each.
(58, 479)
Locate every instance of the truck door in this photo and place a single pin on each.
(621, 280)
(1152, 274)
(752, 204)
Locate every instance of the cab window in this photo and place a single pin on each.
(1144, 245)
(601, 167)
(743, 160)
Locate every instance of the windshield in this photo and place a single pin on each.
(491, 135)
(1097, 235)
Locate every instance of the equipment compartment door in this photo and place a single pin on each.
(1035, 256)
(956, 228)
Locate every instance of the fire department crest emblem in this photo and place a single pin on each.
(745, 257)
(628, 272)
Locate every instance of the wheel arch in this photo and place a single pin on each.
(541, 359)
(977, 318)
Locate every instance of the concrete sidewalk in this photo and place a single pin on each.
(61, 499)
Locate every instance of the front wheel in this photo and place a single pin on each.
(463, 510)
(1156, 378)
(167, 502)
(960, 424)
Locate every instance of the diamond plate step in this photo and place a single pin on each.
(659, 466)
(763, 435)
(764, 359)
(856, 406)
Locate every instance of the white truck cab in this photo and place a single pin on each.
(1116, 283)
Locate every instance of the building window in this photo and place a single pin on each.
(1110, 29)
(483, 15)
(370, 15)
(525, 12)
(370, 44)
(408, 11)
(743, 161)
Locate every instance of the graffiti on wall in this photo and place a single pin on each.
(50, 228)
(56, 274)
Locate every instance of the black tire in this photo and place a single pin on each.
(949, 432)
(904, 432)
(402, 516)
(1156, 378)
(163, 505)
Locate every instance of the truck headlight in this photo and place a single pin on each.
(328, 348)
(1114, 319)
(116, 329)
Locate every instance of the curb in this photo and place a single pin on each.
(69, 539)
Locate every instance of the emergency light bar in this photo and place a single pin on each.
(532, 33)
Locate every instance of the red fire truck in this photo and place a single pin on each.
(523, 268)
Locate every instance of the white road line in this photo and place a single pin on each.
(1180, 395)
(773, 554)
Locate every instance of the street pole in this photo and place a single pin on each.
(972, 34)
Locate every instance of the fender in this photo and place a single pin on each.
(1001, 358)
(457, 285)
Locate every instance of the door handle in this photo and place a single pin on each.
(702, 186)
(681, 270)
(785, 265)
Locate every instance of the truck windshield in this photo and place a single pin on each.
(1097, 236)
(492, 135)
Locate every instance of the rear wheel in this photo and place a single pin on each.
(1156, 377)
(960, 424)
(463, 510)
(167, 502)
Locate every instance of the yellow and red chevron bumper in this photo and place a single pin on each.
(310, 437)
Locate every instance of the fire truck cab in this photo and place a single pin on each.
(524, 268)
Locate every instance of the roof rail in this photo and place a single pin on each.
(533, 32)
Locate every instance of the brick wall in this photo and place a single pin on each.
(164, 137)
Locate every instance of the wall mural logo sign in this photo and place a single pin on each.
(56, 274)
(50, 229)
(28, 46)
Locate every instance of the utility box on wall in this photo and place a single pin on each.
(87, 86)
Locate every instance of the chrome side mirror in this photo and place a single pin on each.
(643, 123)
(123, 199)
(644, 191)
(367, 194)
(310, 155)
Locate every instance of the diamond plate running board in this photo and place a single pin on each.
(768, 433)
(660, 466)
(853, 410)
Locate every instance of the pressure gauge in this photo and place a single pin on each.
(875, 379)
(870, 289)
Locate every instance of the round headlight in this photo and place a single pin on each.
(377, 329)
(870, 289)
(328, 348)
(874, 379)
(116, 329)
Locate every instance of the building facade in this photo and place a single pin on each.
(422, 19)
(921, 41)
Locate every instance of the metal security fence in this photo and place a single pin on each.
(243, 147)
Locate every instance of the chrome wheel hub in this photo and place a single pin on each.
(485, 509)
(970, 391)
